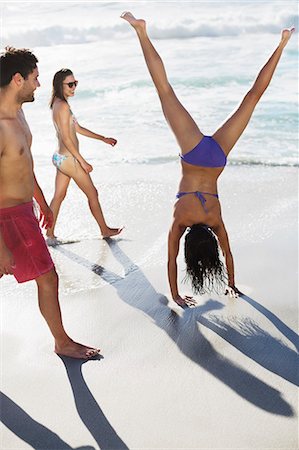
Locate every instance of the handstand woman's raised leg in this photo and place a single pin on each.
(183, 126)
(228, 134)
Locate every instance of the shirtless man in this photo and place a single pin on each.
(23, 251)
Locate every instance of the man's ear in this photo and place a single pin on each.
(18, 79)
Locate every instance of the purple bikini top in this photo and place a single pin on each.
(207, 153)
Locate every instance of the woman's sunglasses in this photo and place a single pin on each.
(72, 84)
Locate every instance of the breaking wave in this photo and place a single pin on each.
(61, 35)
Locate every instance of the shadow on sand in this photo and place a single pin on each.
(136, 290)
(29, 430)
(249, 338)
(89, 411)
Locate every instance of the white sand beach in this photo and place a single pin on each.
(222, 375)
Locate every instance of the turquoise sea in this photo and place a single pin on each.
(212, 52)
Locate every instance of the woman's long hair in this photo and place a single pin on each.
(204, 267)
(58, 80)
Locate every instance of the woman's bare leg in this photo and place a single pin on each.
(61, 184)
(72, 168)
(228, 134)
(183, 126)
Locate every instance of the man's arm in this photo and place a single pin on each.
(46, 215)
(7, 263)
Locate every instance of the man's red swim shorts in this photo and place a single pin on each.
(22, 236)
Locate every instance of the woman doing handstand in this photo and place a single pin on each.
(203, 159)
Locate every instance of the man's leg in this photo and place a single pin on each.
(49, 306)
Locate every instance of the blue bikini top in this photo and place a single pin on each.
(207, 153)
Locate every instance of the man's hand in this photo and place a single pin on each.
(7, 263)
(46, 217)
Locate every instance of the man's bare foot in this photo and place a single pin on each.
(136, 23)
(111, 232)
(286, 34)
(75, 350)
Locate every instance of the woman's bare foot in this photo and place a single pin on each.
(286, 34)
(75, 350)
(136, 23)
(109, 232)
(52, 241)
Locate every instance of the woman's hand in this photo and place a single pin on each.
(232, 291)
(86, 167)
(185, 302)
(110, 141)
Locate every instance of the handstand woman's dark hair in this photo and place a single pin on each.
(58, 79)
(204, 267)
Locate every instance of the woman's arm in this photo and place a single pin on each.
(222, 235)
(174, 236)
(173, 251)
(91, 134)
(62, 121)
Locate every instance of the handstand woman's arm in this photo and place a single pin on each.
(222, 235)
(174, 236)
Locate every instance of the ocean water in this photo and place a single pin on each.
(212, 52)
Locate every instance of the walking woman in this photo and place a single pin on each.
(203, 159)
(68, 160)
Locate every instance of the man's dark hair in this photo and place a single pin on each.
(15, 60)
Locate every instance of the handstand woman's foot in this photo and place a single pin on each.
(109, 232)
(75, 350)
(286, 35)
(136, 23)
